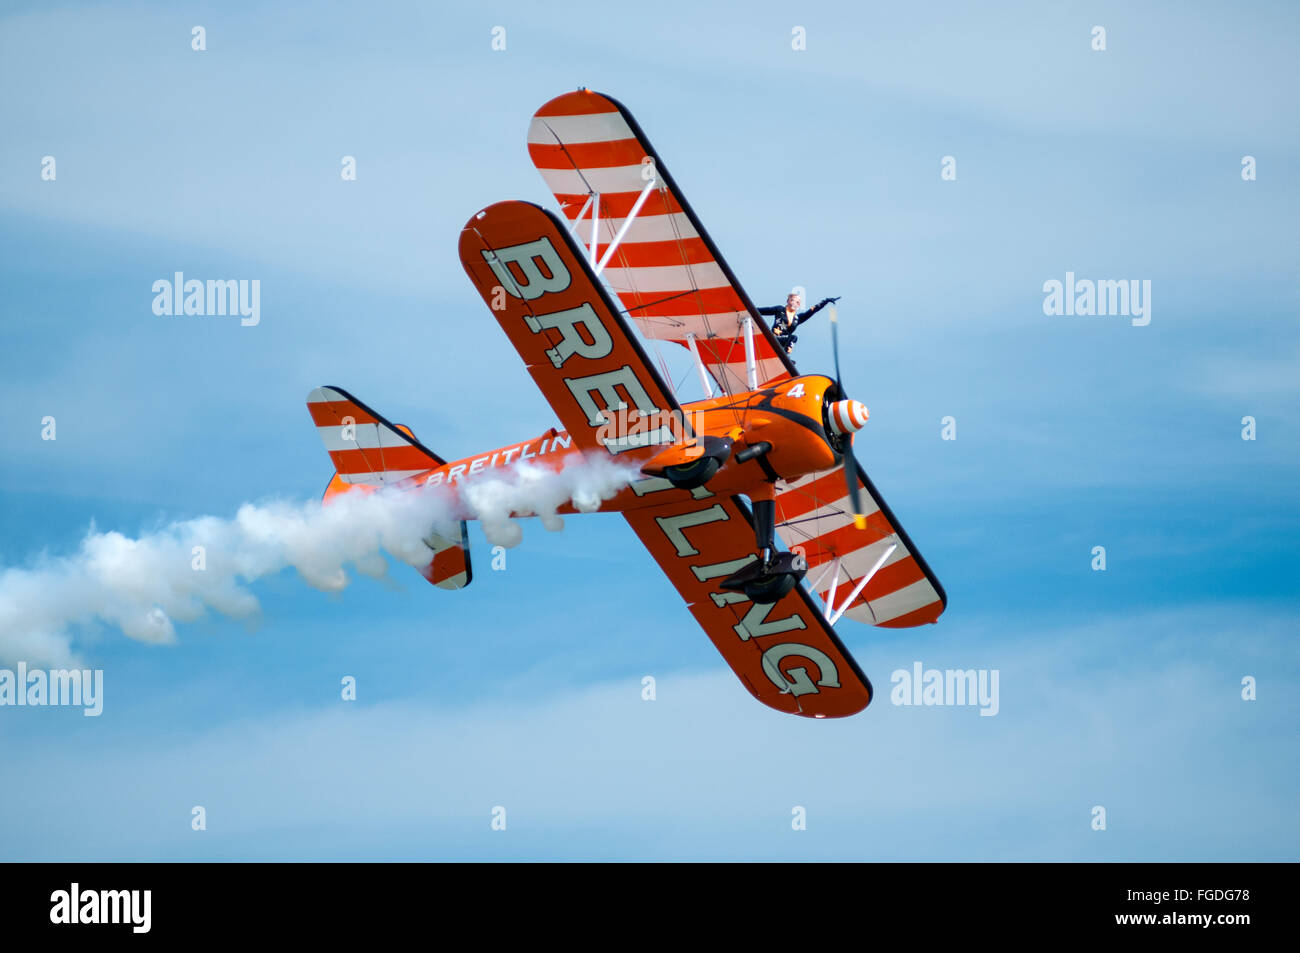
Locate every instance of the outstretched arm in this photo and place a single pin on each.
(775, 309)
(805, 315)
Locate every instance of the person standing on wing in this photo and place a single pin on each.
(789, 317)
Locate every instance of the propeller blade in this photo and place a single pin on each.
(850, 462)
(835, 343)
(855, 494)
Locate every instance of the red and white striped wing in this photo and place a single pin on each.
(667, 272)
(364, 447)
(814, 514)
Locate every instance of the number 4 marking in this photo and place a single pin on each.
(795, 391)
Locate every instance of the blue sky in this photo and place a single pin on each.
(818, 168)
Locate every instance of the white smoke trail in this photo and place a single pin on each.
(144, 586)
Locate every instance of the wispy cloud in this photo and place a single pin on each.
(1184, 767)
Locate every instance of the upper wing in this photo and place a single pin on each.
(578, 349)
(813, 514)
(667, 272)
(784, 653)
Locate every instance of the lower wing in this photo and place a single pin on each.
(873, 575)
(785, 653)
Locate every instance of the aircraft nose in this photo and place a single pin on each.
(847, 416)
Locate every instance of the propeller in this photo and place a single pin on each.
(845, 418)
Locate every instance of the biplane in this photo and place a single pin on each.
(750, 499)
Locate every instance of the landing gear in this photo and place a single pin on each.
(767, 580)
(772, 575)
(687, 476)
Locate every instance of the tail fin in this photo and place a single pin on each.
(364, 446)
(369, 452)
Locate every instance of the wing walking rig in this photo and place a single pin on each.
(752, 503)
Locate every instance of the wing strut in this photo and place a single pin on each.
(699, 364)
(862, 584)
(751, 365)
(573, 226)
(835, 581)
(593, 203)
(627, 222)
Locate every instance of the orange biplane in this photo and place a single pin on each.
(766, 456)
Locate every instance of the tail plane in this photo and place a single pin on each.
(369, 452)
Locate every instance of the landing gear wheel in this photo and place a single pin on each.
(768, 589)
(698, 472)
(767, 582)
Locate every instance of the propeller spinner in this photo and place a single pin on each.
(847, 416)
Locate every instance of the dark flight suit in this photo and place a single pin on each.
(783, 327)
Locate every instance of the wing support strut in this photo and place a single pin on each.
(627, 223)
(699, 364)
(751, 364)
(835, 581)
(862, 584)
(593, 203)
(573, 226)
